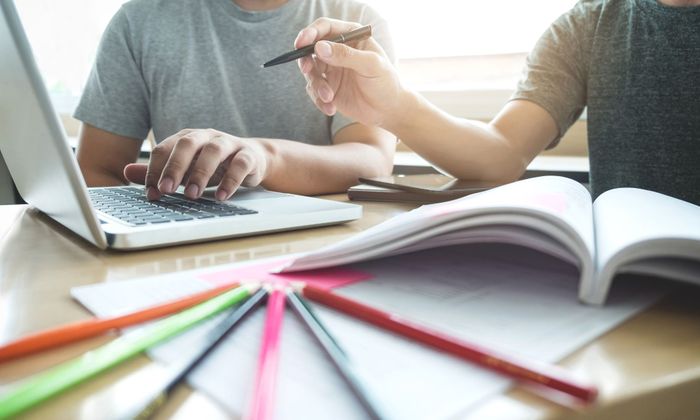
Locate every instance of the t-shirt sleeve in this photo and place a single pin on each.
(381, 33)
(115, 97)
(556, 70)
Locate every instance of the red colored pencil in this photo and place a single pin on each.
(549, 376)
(77, 331)
(266, 378)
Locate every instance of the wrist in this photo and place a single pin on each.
(269, 154)
(403, 113)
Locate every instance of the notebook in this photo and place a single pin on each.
(47, 176)
(624, 230)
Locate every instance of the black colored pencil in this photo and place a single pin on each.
(154, 399)
(336, 354)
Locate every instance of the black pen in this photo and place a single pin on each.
(355, 35)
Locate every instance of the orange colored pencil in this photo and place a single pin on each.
(80, 330)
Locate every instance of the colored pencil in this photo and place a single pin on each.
(549, 376)
(45, 385)
(157, 396)
(337, 355)
(262, 403)
(77, 331)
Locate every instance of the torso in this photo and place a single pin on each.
(644, 99)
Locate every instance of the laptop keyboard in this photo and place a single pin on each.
(130, 205)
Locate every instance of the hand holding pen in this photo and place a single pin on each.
(358, 81)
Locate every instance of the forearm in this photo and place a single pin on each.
(309, 169)
(102, 156)
(463, 148)
(99, 177)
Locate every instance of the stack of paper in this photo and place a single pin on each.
(514, 300)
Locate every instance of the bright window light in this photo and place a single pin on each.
(449, 28)
(443, 44)
(64, 36)
(467, 45)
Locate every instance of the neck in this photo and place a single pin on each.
(680, 3)
(258, 5)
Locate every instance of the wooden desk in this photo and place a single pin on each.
(647, 368)
(574, 167)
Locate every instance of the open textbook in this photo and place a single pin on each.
(623, 230)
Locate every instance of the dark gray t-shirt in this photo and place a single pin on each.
(636, 65)
(167, 65)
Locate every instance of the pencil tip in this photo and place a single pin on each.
(297, 286)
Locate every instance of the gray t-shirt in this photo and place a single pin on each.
(636, 65)
(167, 65)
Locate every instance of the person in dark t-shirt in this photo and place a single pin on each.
(634, 64)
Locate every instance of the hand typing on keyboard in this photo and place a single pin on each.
(200, 158)
(128, 205)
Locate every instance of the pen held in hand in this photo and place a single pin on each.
(354, 35)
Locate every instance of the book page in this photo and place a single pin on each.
(557, 206)
(508, 298)
(632, 225)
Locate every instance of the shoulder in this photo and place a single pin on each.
(357, 11)
(587, 15)
(581, 18)
(350, 10)
(148, 7)
(156, 13)
(141, 20)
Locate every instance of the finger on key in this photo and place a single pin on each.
(181, 158)
(240, 166)
(215, 151)
(159, 157)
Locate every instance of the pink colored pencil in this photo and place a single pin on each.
(266, 379)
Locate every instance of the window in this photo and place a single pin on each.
(466, 56)
(64, 36)
(445, 47)
(470, 44)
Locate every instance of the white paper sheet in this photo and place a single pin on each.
(508, 298)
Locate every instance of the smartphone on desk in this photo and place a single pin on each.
(417, 188)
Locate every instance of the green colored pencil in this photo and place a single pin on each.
(156, 396)
(45, 385)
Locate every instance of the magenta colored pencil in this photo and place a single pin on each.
(262, 405)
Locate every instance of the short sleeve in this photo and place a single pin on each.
(381, 33)
(115, 97)
(556, 71)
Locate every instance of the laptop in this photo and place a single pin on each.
(47, 176)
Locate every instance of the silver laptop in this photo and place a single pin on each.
(47, 176)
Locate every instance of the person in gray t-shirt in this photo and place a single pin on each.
(635, 64)
(190, 72)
